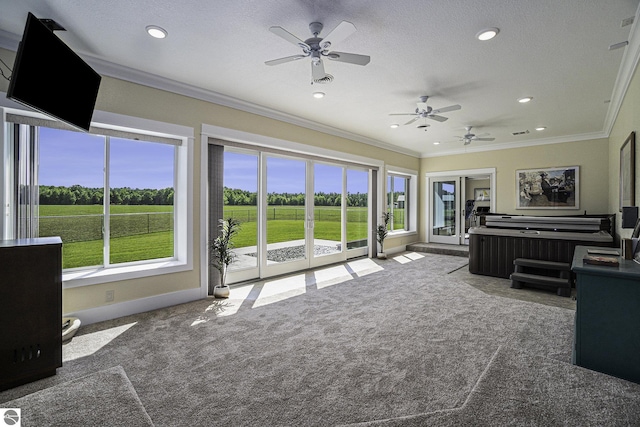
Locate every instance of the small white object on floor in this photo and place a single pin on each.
(70, 326)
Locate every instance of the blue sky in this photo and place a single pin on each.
(69, 158)
(288, 175)
(74, 158)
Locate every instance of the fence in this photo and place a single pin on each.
(82, 228)
(294, 214)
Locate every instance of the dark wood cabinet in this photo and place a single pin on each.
(607, 325)
(31, 313)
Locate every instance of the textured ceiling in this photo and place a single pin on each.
(555, 51)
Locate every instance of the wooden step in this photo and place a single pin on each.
(562, 286)
(539, 263)
(538, 279)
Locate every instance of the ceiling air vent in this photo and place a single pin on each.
(524, 132)
(328, 78)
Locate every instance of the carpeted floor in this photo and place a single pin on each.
(103, 398)
(403, 341)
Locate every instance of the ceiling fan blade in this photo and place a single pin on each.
(482, 134)
(447, 109)
(438, 118)
(350, 58)
(279, 31)
(484, 139)
(317, 70)
(339, 33)
(286, 59)
(402, 114)
(412, 120)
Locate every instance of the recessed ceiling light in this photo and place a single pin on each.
(156, 32)
(487, 34)
(318, 95)
(541, 128)
(525, 99)
(394, 126)
(436, 143)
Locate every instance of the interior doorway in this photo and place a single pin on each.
(455, 202)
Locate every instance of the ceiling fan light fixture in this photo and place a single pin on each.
(487, 34)
(525, 99)
(318, 95)
(156, 32)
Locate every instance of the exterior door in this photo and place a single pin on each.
(295, 213)
(444, 210)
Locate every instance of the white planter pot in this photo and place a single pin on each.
(221, 291)
(382, 255)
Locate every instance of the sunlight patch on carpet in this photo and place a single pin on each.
(402, 259)
(331, 276)
(281, 289)
(88, 344)
(413, 255)
(364, 266)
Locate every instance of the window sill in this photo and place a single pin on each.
(94, 276)
(403, 233)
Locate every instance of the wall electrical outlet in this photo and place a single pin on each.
(109, 296)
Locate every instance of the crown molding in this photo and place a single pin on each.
(157, 82)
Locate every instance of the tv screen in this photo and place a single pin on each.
(49, 77)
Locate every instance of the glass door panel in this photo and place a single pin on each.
(327, 210)
(285, 214)
(444, 208)
(241, 202)
(357, 209)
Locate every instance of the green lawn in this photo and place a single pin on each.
(149, 233)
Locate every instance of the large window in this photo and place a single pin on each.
(112, 197)
(398, 201)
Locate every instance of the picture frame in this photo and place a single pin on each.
(628, 172)
(482, 194)
(548, 188)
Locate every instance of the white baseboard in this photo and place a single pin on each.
(396, 250)
(113, 311)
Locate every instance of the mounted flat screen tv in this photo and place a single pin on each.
(51, 78)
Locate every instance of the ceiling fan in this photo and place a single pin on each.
(425, 111)
(468, 137)
(316, 48)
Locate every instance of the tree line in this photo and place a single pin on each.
(238, 197)
(79, 195)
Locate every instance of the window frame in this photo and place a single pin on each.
(183, 199)
(411, 192)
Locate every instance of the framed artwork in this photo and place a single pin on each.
(628, 172)
(548, 188)
(482, 195)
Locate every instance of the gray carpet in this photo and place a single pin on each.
(104, 398)
(406, 345)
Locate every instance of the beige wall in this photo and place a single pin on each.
(628, 121)
(590, 155)
(135, 100)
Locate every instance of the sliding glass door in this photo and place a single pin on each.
(295, 213)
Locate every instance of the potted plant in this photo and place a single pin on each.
(382, 233)
(222, 253)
